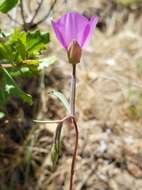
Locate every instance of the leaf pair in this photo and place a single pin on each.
(56, 147)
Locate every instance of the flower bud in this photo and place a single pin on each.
(74, 52)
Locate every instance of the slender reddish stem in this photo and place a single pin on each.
(74, 153)
(72, 104)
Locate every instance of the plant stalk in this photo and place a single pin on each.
(73, 90)
(73, 120)
(74, 153)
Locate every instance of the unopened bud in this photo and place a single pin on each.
(74, 53)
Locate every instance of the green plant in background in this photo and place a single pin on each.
(20, 53)
(20, 56)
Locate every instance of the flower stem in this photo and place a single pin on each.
(73, 89)
(73, 120)
(74, 154)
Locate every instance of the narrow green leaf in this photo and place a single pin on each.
(7, 5)
(56, 148)
(45, 121)
(62, 98)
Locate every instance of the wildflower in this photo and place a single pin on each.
(73, 30)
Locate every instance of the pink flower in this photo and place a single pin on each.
(74, 27)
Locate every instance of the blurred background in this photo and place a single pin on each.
(108, 103)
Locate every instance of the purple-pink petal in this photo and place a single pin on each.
(88, 32)
(59, 34)
(73, 26)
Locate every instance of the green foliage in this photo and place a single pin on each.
(23, 48)
(12, 89)
(7, 5)
(36, 42)
(20, 56)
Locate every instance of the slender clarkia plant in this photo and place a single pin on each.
(73, 32)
